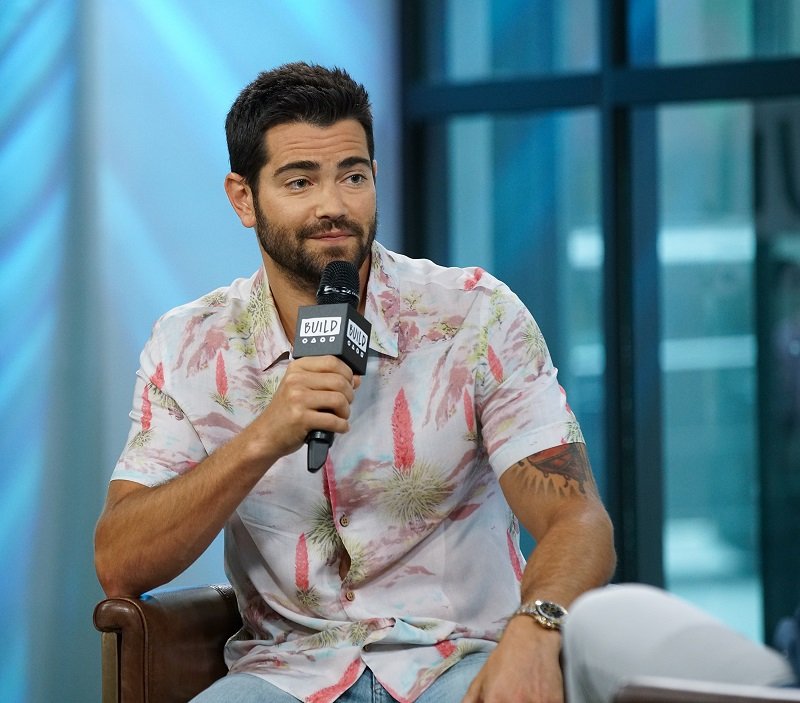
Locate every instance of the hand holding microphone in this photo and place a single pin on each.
(332, 326)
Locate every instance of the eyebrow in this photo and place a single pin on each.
(349, 162)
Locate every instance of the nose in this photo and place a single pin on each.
(330, 203)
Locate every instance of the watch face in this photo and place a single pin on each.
(551, 611)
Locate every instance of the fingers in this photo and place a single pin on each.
(328, 364)
(325, 384)
(473, 692)
(314, 394)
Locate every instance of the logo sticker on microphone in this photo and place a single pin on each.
(357, 339)
(317, 329)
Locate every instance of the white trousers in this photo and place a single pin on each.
(618, 632)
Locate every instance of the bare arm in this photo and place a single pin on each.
(555, 497)
(147, 536)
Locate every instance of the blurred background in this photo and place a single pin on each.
(630, 167)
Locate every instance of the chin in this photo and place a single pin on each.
(341, 252)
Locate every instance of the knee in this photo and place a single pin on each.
(600, 611)
(586, 615)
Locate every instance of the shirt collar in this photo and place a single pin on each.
(271, 342)
(381, 309)
(383, 303)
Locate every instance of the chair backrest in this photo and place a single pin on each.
(167, 646)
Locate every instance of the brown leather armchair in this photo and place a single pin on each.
(165, 647)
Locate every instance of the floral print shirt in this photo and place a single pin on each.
(459, 387)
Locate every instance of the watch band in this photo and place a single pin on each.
(548, 614)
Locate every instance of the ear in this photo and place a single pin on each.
(374, 170)
(241, 198)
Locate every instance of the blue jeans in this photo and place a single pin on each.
(450, 687)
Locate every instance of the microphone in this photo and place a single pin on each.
(332, 326)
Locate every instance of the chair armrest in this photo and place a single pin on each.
(667, 690)
(165, 646)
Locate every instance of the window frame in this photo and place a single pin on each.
(626, 96)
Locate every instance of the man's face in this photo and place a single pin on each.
(315, 201)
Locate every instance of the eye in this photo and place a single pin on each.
(356, 179)
(298, 184)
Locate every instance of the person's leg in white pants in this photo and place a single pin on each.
(615, 633)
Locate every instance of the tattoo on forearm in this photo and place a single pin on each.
(564, 469)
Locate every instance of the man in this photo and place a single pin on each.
(396, 568)
(622, 632)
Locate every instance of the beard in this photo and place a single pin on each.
(303, 267)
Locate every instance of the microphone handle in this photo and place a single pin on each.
(318, 443)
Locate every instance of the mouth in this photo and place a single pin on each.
(334, 236)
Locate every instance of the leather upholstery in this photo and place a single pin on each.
(167, 646)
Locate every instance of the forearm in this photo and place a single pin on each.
(147, 536)
(576, 553)
(573, 554)
(554, 496)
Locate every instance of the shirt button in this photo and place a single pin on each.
(344, 521)
(350, 596)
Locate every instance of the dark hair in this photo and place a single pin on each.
(294, 92)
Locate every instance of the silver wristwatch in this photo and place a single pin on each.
(548, 614)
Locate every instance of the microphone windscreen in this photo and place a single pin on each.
(338, 284)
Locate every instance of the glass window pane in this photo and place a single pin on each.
(777, 208)
(479, 39)
(694, 31)
(706, 246)
(522, 202)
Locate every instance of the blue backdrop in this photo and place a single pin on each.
(112, 158)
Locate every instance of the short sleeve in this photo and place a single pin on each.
(162, 442)
(522, 408)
